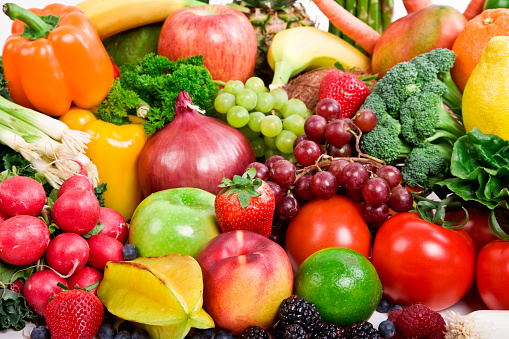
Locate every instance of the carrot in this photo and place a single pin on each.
(416, 5)
(350, 25)
(474, 8)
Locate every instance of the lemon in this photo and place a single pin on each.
(486, 95)
(163, 294)
(342, 283)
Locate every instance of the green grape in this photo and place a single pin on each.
(284, 141)
(270, 152)
(255, 118)
(308, 113)
(270, 142)
(259, 147)
(234, 86)
(271, 126)
(289, 157)
(221, 91)
(280, 97)
(294, 106)
(246, 98)
(278, 114)
(294, 123)
(255, 84)
(264, 102)
(237, 116)
(249, 133)
(223, 102)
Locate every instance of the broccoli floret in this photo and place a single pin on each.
(397, 85)
(426, 165)
(383, 141)
(375, 103)
(424, 118)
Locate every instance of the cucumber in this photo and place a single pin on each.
(131, 45)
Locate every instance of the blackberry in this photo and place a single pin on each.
(254, 332)
(294, 331)
(279, 329)
(362, 330)
(328, 331)
(296, 310)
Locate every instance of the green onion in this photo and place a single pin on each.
(54, 176)
(17, 143)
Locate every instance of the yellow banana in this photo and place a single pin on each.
(114, 16)
(300, 49)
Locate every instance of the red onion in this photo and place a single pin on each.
(193, 150)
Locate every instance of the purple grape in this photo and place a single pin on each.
(302, 188)
(324, 185)
(283, 173)
(276, 190)
(337, 132)
(271, 160)
(342, 151)
(314, 127)
(375, 215)
(287, 209)
(336, 167)
(329, 109)
(376, 191)
(391, 174)
(262, 171)
(307, 152)
(354, 176)
(300, 138)
(401, 199)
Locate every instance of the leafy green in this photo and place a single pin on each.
(480, 169)
(96, 230)
(99, 191)
(3, 83)
(14, 312)
(118, 103)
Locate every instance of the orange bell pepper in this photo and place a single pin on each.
(55, 59)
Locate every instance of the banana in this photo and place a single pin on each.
(300, 49)
(110, 17)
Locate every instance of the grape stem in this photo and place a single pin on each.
(323, 162)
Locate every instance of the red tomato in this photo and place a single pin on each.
(336, 222)
(477, 226)
(420, 262)
(492, 274)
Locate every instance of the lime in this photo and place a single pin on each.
(342, 283)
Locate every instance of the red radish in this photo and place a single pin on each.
(80, 180)
(23, 239)
(114, 224)
(3, 216)
(40, 287)
(104, 249)
(21, 196)
(67, 253)
(85, 277)
(16, 286)
(474, 8)
(416, 5)
(76, 211)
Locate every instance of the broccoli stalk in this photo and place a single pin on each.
(453, 97)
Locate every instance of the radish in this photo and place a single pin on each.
(40, 287)
(114, 224)
(67, 253)
(23, 239)
(80, 180)
(85, 277)
(3, 216)
(16, 286)
(76, 211)
(104, 249)
(21, 196)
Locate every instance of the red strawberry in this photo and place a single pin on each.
(349, 90)
(245, 203)
(74, 314)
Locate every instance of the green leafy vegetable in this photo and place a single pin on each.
(14, 312)
(3, 83)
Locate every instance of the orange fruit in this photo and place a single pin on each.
(471, 42)
(342, 283)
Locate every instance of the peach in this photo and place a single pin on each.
(246, 277)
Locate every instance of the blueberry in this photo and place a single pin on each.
(395, 307)
(384, 306)
(108, 319)
(126, 326)
(387, 329)
(129, 252)
(198, 335)
(123, 335)
(40, 332)
(209, 332)
(140, 333)
(223, 334)
(106, 331)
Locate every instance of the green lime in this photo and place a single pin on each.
(342, 283)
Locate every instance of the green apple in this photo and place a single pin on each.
(177, 220)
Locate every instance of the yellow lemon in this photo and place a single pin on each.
(486, 95)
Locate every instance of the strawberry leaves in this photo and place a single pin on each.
(245, 186)
(365, 79)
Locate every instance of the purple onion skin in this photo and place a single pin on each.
(193, 150)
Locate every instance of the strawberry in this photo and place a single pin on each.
(245, 203)
(348, 89)
(74, 314)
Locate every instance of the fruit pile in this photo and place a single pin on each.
(206, 201)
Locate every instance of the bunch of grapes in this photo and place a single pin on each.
(329, 162)
(268, 119)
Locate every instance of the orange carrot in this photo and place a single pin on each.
(416, 5)
(350, 25)
(474, 8)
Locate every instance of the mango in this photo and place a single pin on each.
(417, 33)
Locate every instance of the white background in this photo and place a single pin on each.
(313, 11)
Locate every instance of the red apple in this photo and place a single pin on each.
(222, 34)
(246, 277)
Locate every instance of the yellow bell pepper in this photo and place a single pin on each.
(115, 151)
